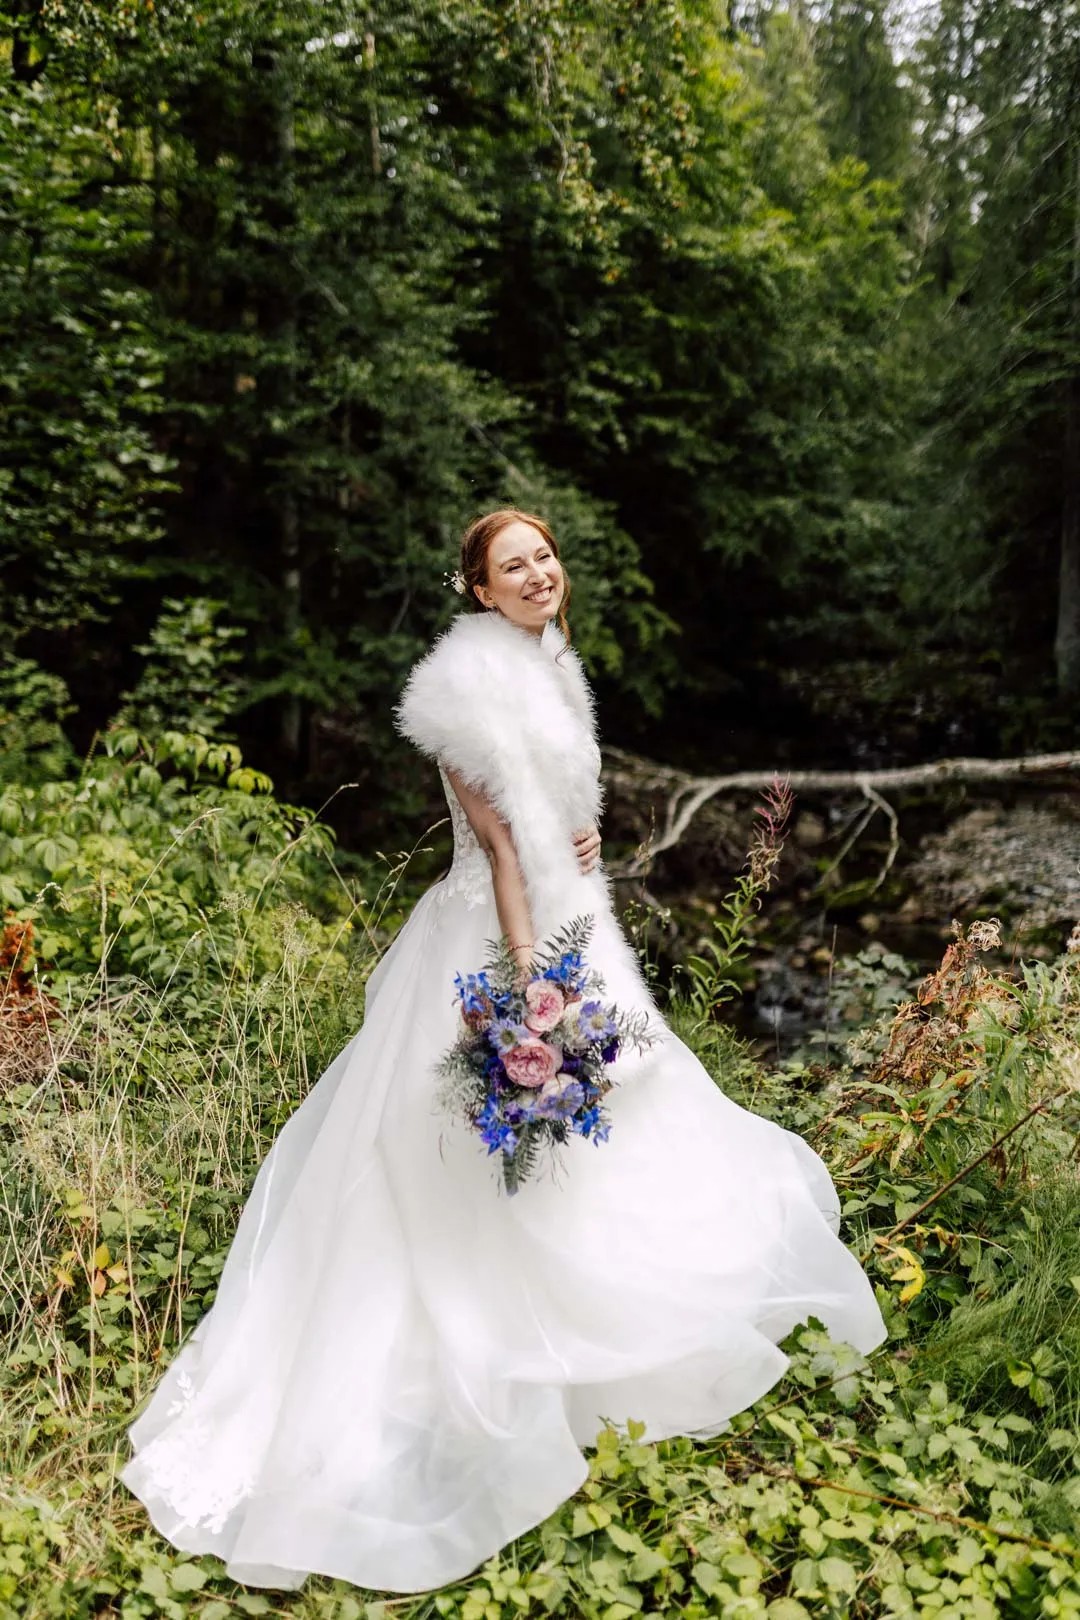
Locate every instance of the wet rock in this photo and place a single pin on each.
(810, 830)
(787, 1001)
(1022, 861)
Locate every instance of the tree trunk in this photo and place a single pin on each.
(685, 794)
(373, 107)
(24, 70)
(289, 538)
(1067, 640)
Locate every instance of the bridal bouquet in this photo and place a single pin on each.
(530, 1067)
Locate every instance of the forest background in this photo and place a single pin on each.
(774, 311)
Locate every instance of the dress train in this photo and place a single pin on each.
(402, 1364)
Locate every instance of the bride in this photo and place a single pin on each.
(402, 1364)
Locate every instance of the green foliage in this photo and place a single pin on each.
(938, 1475)
(846, 1491)
(152, 857)
(1024, 1334)
(81, 480)
(773, 313)
(188, 682)
(33, 707)
(869, 106)
(996, 340)
(704, 981)
(346, 286)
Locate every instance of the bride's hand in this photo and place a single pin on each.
(587, 847)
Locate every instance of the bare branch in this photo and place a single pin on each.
(685, 794)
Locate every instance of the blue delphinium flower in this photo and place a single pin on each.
(592, 1123)
(569, 971)
(610, 1052)
(495, 1133)
(474, 991)
(493, 1071)
(500, 1135)
(595, 1022)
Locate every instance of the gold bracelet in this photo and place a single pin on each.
(527, 945)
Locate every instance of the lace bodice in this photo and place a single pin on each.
(470, 873)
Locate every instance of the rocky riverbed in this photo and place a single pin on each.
(842, 903)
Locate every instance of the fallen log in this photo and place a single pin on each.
(685, 793)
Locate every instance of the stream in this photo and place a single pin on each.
(962, 854)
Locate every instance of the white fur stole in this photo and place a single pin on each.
(513, 713)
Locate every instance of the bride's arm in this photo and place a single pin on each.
(507, 880)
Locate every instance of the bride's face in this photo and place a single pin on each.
(524, 577)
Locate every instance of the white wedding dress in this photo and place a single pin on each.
(402, 1363)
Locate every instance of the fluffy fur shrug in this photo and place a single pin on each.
(513, 713)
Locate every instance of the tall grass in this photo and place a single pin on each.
(134, 1116)
(989, 1348)
(131, 1127)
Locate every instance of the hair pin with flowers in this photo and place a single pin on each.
(456, 581)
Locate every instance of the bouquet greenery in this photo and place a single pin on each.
(531, 1067)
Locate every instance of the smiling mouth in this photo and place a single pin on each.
(540, 596)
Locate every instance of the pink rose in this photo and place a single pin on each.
(532, 1063)
(545, 1002)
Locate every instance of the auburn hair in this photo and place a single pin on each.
(476, 543)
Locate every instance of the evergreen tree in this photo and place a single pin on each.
(867, 104)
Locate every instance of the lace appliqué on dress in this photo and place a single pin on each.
(470, 872)
(193, 1468)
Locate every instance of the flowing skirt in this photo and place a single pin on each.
(402, 1364)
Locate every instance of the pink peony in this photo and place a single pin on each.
(546, 1003)
(532, 1063)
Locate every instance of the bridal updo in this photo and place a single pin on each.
(476, 543)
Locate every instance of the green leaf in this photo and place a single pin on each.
(784, 1426)
(154, 1578)
(708, 1577)
(581, 1524)
(187, 1578)
(625, 1540)
(647, 1564)
(968, 1553)
(742, 1565)
(838, 1575)
(804, 1577)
